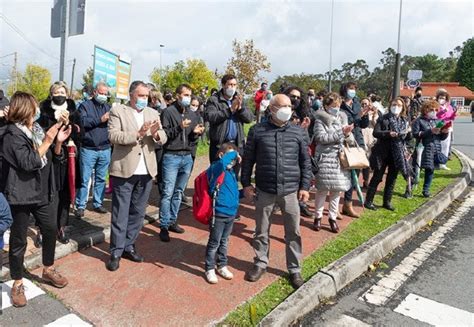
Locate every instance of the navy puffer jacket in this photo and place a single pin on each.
(421, 130)
(281, 157)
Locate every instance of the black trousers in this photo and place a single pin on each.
(389, 181)
(46, 218)
(63, 208)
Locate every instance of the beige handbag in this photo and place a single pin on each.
(353, 157)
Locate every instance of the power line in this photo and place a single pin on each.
(24, 37)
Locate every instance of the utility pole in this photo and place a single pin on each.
(330, 49)
(396, 79)
(161, 71)
(15, 70)
(72, 76)
(64, 35)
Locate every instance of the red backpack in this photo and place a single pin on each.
(203, 206)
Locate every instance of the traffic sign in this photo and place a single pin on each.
(415, 74)
(413, 84)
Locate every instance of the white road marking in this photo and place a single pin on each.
(434, 313)
(70, 320)
(345, 321)
(31, 291)
(381, 292)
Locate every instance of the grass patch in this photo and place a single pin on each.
(359, 231)
(203, 146)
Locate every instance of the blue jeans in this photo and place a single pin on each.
(428, 179)
(218, 242)
(90, 160)
(176, 170)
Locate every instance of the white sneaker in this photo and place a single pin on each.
(211, 277)
(444, 167)
(225, 273)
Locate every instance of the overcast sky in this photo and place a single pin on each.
(293, 34)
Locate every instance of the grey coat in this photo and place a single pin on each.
(329, 137)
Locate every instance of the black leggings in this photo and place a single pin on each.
(389, 181)
(45, 217)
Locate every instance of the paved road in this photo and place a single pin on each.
(464, 135)
(439, 291)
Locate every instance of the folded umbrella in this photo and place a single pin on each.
(71, 168)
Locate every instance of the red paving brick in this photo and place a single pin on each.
(169, 287)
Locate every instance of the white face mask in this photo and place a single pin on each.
(396, 110)
(230, 91)
(193, 108)
(334, 111)
(432, 115)
(442, 102)
(284, 114)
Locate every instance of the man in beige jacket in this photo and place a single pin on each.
(133, 131)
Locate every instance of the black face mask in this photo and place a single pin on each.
(295, 103)
(418, 95)
(59, 100)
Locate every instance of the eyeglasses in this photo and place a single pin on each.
(292, 96)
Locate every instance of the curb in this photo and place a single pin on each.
(331, 279)
(80, 243)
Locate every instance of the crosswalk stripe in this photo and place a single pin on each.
(434, 313)
(69, 320)
(31, 291)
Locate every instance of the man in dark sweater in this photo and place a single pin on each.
(183, 129)
(95, 149)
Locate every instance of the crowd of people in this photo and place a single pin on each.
(295, 144)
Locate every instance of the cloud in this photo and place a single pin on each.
(293, 34)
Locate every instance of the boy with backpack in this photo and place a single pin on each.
(226, 203)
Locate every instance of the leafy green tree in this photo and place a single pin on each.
(464, 73)
(246, 65)
(35, 80)
(88, 78)
(305, 81)
(193, 72)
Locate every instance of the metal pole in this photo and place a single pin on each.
(161, 72)
(396, 79)
(72, 75)
(330, 49)
(64, 35)
(15, 70)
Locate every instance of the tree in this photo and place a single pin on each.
(35, 80)
(88, 78)
(246, 65)
(305, 81)
(464, 73)
(193, 72)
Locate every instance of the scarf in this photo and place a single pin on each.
(36, 135)
(398, 148)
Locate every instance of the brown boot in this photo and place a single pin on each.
(52, 276)
(348, 210)
(18, 295)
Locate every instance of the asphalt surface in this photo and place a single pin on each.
(446, 277)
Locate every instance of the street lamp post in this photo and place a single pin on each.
(330, 49)
(161, 69)
(396, 79)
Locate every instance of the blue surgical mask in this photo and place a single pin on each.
(141, 103)
(85, 95)
(37, 114)
(351, 93)
(101, 98)
(317, 103)
(185, 101)
(334, 111)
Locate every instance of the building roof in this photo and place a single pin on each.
(430, 88)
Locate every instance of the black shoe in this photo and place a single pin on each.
(388, 206)
(79, 213)
(113, 263)
(100, 209)
(317, 224)
(62, 237)
(408, 195)
(237, 218)
(38, 240)
(296, 280)
(333, 225)
(164, 235)
(426, 194)
(370, 206)
(254, 274)
(132, 255)
(175, 228)
(305, 211)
